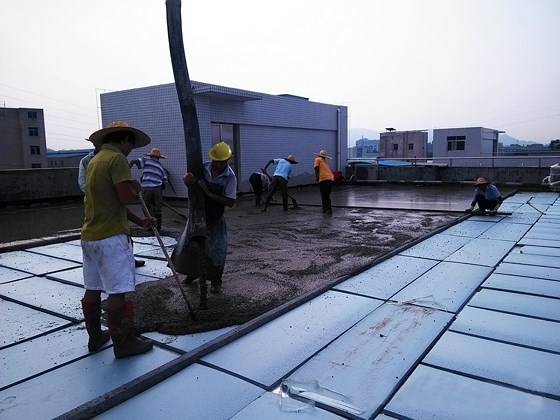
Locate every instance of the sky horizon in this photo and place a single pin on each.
(403, 63)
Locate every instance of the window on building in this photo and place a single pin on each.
(395, 146)
(33, 131)
(456, 142)
(410, 146)
(35, 150)
(222, 132)
(31, 114)
(35, 165)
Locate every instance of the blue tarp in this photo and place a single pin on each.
(393, 163)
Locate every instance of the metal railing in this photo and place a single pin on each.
(537, 161)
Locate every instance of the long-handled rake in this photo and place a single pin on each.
(175, 275)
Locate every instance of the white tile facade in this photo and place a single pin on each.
(268, 127)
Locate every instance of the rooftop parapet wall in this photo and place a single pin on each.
(36, 185)
(524, 176)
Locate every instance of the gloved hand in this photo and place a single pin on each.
(494, 211)
(469, 210)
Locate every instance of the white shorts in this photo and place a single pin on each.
(109, 265)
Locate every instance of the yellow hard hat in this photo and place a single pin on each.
(220, 151)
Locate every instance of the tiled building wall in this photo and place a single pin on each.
(270, 127)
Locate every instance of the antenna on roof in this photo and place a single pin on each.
(390, 129)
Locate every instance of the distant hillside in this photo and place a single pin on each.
(507, 140)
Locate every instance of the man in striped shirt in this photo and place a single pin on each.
(152, 181)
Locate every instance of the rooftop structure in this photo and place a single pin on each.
(465, 324)
(257, 126)
(403, 144)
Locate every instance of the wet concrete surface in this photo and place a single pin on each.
(24, 223)
(273, 257)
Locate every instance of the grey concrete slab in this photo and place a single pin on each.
(549, 243)
(544, 231)
(509, 206)
(58, 391)
(522, 217)
(369, 361)
(436, 247)
(43, 353)
(516, 329)
(436, 394)
(532, 259)
(490, 360)
(292, 338)
(154, 268)
(196, 392)
(506, 231)
(10, 274)
(545, 226)
(446, 286)
(469, 228)
(534, 286)
(487, 252)
(187, 342)
(544, 198)
(168, 241)
(529, 271)
(528, 208)
(516, 303)
(549, 218)
(520, 198)
(61, 250)
(73, 275)
(487, 218)
(540, 250)
(388, 277)
(156, 253)
(46, 294)
(539, 206)
(34, 263)
(140, 247)
(271, 406)
(20, 322)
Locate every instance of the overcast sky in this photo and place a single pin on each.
(407, 64)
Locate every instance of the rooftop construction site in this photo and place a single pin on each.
(398, 305)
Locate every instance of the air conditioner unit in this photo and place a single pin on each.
(365, 172)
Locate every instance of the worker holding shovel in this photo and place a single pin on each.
(282, 174)
(220, 189)
(108, 259)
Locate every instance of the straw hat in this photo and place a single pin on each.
(291, 159)
(323, 154)
(141, 138)
(155, 153)
(94, 144)
(220, 151)
(481, 181)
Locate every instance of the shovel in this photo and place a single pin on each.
(175, 275)
(294, 202)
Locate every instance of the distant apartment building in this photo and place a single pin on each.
(403, 144)
(465, 143)
(66, 158)
(257, 126)
(365, 149)
(23, 143)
